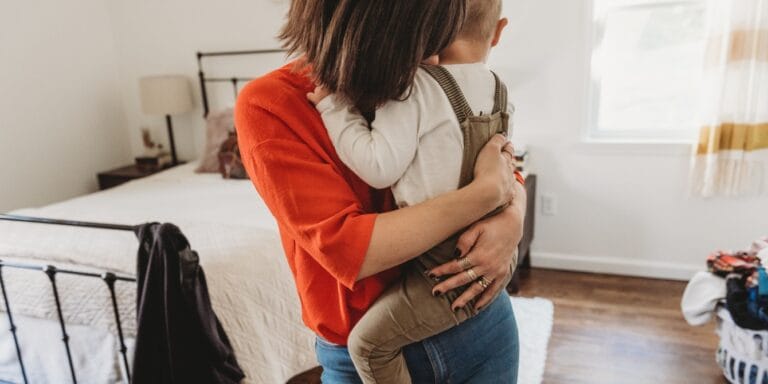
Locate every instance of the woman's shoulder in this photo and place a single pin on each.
(276, 87)
(268, 103)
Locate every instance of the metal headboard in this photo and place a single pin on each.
(235, 81)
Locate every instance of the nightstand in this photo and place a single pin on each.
(117, 176)
(524, 249)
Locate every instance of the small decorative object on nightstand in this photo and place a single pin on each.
(154, 157)
(117, 176)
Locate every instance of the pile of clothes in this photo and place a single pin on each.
(735, 290)
(739, 279)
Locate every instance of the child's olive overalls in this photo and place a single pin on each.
(407, 312)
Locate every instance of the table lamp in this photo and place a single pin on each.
(166, 95)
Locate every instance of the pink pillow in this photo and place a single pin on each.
(217, 128)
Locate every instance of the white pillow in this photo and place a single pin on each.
(217, 128)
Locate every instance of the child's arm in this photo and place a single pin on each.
(380, 152)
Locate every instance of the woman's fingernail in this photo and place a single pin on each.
(432, 276)
(479, 309)
(436, 293)
(457, 253)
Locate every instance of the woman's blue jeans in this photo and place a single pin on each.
(483, 349)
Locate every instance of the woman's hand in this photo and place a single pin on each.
(488, 248)
(495, 168)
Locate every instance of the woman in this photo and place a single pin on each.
(341, 252)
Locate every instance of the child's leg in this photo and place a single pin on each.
(405, 313)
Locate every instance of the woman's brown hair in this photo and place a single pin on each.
(368, 51)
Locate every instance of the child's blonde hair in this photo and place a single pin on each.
(482, 18)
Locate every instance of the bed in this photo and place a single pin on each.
(225, 221)
(249, 282)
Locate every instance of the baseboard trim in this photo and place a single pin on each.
(615, 266)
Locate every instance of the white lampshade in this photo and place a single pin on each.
(165, 94)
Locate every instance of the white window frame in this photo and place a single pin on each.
(592, 133)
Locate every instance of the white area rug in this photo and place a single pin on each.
(534, 324)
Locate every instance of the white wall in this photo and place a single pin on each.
(61, 118)
(162, 36)
(622, 208)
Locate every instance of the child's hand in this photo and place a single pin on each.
(318, 95)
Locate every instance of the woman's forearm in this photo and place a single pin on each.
(401, 235)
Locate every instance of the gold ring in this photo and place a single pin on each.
(464, 263)
(471, 274)
(483, 282)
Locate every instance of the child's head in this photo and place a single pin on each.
(482, 20)
(368, 51)
(482, 27)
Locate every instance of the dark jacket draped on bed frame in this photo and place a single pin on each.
(179, 338)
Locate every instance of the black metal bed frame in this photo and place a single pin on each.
(51, 271)
(234, 80)
(109, 278)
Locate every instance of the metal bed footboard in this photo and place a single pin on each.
(51, 271)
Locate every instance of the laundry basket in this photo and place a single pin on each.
(742, 353)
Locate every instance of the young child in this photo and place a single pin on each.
(422, 146)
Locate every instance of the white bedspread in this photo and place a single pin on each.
(225, 221)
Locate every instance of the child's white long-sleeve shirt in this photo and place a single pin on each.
(415, 145)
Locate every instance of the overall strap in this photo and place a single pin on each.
(451, 88)
(500, 98)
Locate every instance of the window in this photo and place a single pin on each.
(647, 62)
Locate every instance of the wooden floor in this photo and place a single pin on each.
(611, 329)
(617, 330)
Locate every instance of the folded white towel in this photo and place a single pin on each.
(701, 296)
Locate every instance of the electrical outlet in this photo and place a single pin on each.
(548, 204)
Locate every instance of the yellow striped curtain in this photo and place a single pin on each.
(731, 158)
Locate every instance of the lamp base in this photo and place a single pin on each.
(174, 158)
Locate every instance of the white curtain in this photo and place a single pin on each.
(731, 158)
